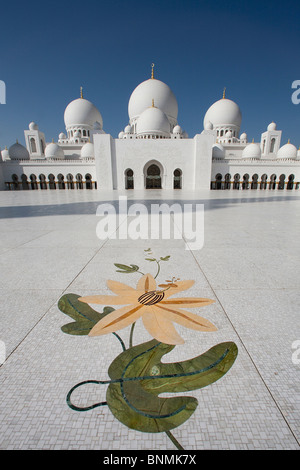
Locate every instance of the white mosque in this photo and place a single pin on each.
(152, 151)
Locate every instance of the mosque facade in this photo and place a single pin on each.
(152, 151)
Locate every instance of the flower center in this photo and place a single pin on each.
(151, 298)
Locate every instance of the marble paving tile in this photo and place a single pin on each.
(248, 265)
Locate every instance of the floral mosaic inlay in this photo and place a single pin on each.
(138, 376)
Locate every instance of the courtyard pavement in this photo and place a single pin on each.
(249, 265)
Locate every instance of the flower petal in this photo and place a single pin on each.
(146, 283)
(187, 302)
(180, 286)
(117, 320)
(107, 299)
(185, 318)
(119, 288)
(160, 327)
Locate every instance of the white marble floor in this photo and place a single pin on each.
(249, 265)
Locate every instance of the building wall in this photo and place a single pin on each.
(266, 170)
(115, 156)
(46, 168)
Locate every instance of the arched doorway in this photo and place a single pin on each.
(153, 177)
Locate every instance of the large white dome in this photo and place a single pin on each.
(153, 121)
(82, 112)
(87, 151)
(18, 152)
(252, 151)
(54, 151)
(287, 151)
(153, 89)
(223, 113)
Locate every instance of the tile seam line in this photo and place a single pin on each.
(55, 302)
(25, 243)
(245, 348)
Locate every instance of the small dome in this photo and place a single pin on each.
(177, 130)
(33, 126)
(121, 135)
(287, 151)
(54, 151)
(18, 152)
(82, 112)
(252, 151)
(223, 113)
(62, 136)
(87, 151)
(228, 134)
(218, 151)
(5, 154)
(153, 121)
(272, 126)
(127, 129)
(243, 136)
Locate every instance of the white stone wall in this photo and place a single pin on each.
(115, 156)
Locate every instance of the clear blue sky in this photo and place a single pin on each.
(49, 49)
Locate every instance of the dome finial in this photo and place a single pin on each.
(289, 141)
(224, 93)
(153, 103)
(81, 95)
(152, 71)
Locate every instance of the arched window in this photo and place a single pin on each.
(272, 184)
(51, 179)
(129, 182)
(24, 180)
(263, 183)
(70, 183)
(281, 183)
(272, 146)
(33, 182)
(61, 183)
(219, 181)
(236, 181)
(88, 181)
(254, 184)
(245, 184)
(79, 183)
(32, 145)
(227, 182)
(15, 181)
(177, 179)
(43, 184)
(290, 184)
